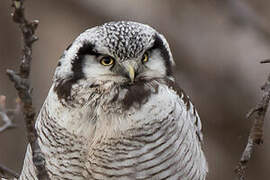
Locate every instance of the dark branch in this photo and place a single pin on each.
(256, 133)
(7, 173)
(265, 61)
(22, 83)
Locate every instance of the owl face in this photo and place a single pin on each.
(124, 53)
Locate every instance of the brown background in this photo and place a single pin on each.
(217, 48)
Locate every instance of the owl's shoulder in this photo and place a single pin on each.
(190, 112)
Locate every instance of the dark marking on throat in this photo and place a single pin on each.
(64, 86)
(138, 94)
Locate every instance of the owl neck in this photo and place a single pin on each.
(108, 113)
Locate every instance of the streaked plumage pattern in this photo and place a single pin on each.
(97, 124)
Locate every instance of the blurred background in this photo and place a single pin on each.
(217, 46)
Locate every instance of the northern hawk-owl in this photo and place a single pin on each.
(114, 111)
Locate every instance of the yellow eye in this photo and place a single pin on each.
(145, 58)
(107, 61)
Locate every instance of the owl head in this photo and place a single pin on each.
(124, 52)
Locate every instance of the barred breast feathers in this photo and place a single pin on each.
(139, 127)
(143, 132)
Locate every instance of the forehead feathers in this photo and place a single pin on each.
(125, 39)
(122, 39)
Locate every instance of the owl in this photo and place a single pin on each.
(114, 111)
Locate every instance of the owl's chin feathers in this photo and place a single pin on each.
(126, 95)
(90, 100)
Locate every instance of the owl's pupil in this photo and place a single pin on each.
(107, 61)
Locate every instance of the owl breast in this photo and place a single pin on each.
(152, 140)
(112, 137)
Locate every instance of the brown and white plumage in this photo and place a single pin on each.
(125, 120)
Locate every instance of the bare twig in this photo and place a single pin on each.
(265, 61)
(7, 173)
(7, 122)
(256, 133)
(4, 171)
(22, 83)
(4, 116)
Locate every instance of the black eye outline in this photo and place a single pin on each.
(145, 57)
(107, 61)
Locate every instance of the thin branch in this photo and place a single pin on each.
(22, 83)
(256, 133)
(7, 173)
(4, 171)
(7, 122)
(265, 61)
(4, 115)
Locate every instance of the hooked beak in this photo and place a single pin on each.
(131, 72)
(130, 68)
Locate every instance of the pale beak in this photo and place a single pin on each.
(131, 72)
(130, 68)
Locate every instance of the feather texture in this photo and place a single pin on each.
(96, 124)
(156, 140)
